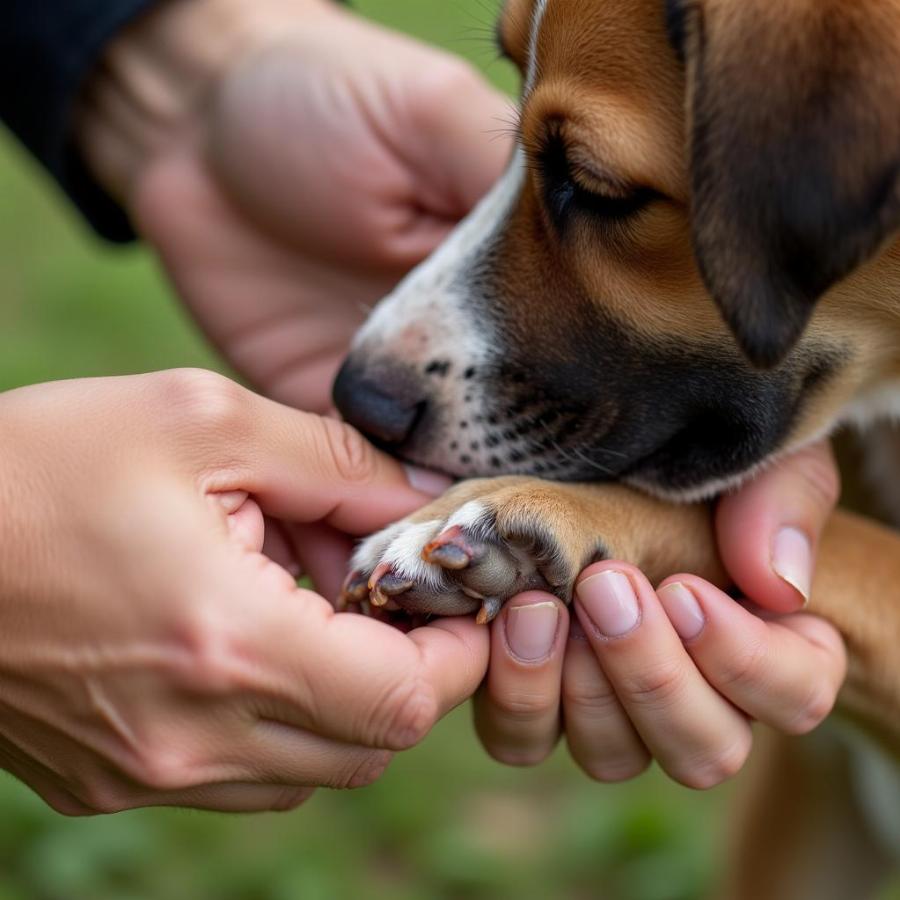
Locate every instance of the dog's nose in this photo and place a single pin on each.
(385, 410)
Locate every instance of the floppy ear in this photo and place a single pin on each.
(794, 128)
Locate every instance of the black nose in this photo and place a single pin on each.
(385, 409)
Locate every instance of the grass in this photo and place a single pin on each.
(445, 822)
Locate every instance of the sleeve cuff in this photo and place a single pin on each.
(46, 51)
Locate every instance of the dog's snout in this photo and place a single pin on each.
(383, 406)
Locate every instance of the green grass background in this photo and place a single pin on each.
(445, 822)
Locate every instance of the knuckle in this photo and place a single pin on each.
(405, 715)
(521, 705)
(158, 769)
(200, 398)
(655, 686)
(813, 711)
(349, 453)
(717, 767)
(590, 699)
(205, 658)
(744, 665)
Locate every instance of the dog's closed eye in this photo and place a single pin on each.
(570, 190)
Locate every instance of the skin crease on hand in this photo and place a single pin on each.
(304, 158)
(150, 654)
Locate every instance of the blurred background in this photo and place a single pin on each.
(445, 822)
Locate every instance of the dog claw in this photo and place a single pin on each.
(490, 608)
(354, 590)
(438, 567)
(384, 584)
(447, 556)
(451, 550)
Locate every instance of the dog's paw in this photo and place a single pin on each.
(472, 550)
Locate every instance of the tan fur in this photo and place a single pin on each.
(608, 71)
(629, 526)
(607, 84)
(802, 832)
(607, 75)
(624, 117)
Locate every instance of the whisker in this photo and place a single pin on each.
(573, 454)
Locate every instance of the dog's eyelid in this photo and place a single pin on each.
(553, 150)
(593, 180)
(570, 184)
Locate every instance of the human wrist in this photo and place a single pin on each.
(149, 89)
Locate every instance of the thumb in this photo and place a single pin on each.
(305, 468)
(768, 531)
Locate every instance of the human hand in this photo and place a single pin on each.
(150, 653)
(289, 166)
(681, 681)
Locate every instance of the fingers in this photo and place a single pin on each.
(297, 466)
(245, 520)
(453, 657)
(517, 709)
(696, 735)
(308, 469)
(234, 798)
(353, 679)
(265, 767)
(279, 754)
(768, 531)
(786, 672)
(599, 734)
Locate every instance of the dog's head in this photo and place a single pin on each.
(686, 268)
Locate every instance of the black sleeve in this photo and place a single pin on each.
(47, 47)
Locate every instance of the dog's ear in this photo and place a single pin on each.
(794, 130)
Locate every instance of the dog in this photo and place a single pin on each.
(689, 269)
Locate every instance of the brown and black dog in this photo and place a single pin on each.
(689, 269)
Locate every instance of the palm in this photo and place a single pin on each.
(281, 318)
(300, 212)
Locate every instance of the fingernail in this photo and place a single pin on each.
(426, 481)
(531, 630)
(792, 560)
(610, 602)
(683, 610)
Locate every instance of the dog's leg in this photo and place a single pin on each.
(488, 539)
(857, 588)
(800, 832)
